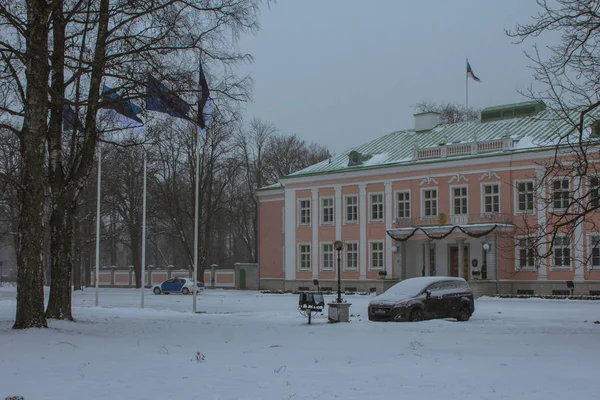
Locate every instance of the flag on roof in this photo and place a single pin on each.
(161, 99)
(470, 73)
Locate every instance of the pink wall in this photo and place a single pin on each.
(271, 237)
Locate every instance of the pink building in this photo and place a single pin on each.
(458, 200)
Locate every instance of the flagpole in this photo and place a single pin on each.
(98, 221)
(467, 97)
(197, 189)
(143, 273)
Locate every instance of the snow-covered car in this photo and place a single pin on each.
(429, 297)
(177, 285)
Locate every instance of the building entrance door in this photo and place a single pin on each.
(454, 262)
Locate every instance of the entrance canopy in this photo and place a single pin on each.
(441, 232)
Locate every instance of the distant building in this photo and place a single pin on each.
(434, 200)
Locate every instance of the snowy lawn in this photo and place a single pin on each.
(259, 347)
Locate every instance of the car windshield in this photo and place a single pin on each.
(406, 288)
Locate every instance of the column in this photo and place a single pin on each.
(491, 258)
(388, 207)
(314, 220)
(541, 214)
(426, 258)
(338, 212)
(580, 265)
(290, 234)
(362, 219)
(461, 258)
(402, 274)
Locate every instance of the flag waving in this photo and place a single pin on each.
(470, 73)
(163, 100)
(126, 110)
(204, 102)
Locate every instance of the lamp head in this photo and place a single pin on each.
(339, 245)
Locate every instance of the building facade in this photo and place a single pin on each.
(458, 200)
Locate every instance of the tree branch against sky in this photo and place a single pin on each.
(569, 70)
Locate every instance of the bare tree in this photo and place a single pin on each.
(450, 113)
(569, 71)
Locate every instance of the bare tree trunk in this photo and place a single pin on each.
(61, 229)
(30, 279)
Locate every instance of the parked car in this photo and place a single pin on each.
(176, 285)
(429, 297)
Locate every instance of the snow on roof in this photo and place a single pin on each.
(527, 133)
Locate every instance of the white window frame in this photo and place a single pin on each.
(483, 196)
(518, 193)
(562, 248)
(380, 204)
(307, 258)
(452, 199)
(323, 199)
(323, 252)
(396, 203)
(552, 191)
(593, 241)
(308, 215)
(346, 258)
(518, 266)
(423, 200)
(373, 267)
(346, 220)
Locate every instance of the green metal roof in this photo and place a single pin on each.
(396, 148)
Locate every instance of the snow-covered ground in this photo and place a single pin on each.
(257, 346)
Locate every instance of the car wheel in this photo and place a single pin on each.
(464, 313)
(156, 290)
(185, 291)
(416, 315)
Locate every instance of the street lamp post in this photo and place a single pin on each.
(339, 246)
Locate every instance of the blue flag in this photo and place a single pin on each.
(70, 121)
(471, 74)
(204, 103)
(124, 108)
(161, 99)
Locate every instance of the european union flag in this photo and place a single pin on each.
(123, 107)
(161, 99)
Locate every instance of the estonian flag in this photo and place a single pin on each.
(126, 110)
(471, 74)
(163, 100)
(204, 102)
(70, 121)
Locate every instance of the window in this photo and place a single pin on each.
(562, 252)
(491, 198)
(351, 208)
(430, 202)
(525, 292)
(560, 193)
(304, 212)
(459, 199)
(403, 205)
(525, 197)
(559, 292)
(351, 250)
(327, 210)
(304, 257)
(595, 192)
(376, 206)
(526, 253)
(595, 252)
(327, 256)
(376, 255)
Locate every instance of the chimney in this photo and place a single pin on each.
(426, 121)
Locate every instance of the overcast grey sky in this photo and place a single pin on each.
(342, 72)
